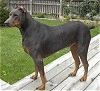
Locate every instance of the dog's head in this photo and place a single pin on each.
(16, 17)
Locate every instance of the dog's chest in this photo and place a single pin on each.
(26, 49)
(25, 45)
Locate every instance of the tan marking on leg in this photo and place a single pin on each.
(85, 74)
(36, 74)
(42, 87)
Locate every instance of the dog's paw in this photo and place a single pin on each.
(42, 87)
(83, 79)
(34, 77)
(72, 74)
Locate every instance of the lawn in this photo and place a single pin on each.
(14, 62)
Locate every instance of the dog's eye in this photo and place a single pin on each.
(10, 14)
(15, 15)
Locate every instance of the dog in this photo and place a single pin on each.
(40, 40)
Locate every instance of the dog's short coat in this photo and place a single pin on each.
(40, 40)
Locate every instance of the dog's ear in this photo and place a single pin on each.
(22, 9)
(16, 7)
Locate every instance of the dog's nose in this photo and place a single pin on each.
(6, 23)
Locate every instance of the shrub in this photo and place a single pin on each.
(4, 13)
(97, 6)
(67, 18)
(66, 9)
(89, 6)
(39, 15)
(85, 8)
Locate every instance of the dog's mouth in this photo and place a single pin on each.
(13, 24)
(16, 23)
(7, 25)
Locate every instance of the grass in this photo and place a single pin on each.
(14, 62)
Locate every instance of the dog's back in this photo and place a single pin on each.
(62, 36)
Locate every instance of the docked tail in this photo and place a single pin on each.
(91, 27)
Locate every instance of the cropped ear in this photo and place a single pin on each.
(22, 9)
(16, 7)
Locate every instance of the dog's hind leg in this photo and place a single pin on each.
(83, 50)
(83, 56)
(76, 59)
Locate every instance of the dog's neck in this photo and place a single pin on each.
(28, 22)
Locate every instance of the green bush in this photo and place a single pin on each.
(67, 18)
(4, 12)
(97, 6)
(66, 9)
(39, 15)
(85, 8)
(89, 6)
(44, 15)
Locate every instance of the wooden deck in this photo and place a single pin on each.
(57, 73)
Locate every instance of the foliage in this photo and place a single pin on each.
(44, 15)
(67, 18)
(4, 13)
(97, 6)
(40, 15)
(89, 6)
(66, 9)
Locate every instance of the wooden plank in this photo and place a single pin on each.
(69, 82)
(4, 85)
(95, 38)
(57, 78)
(53, 64)
(93, 44)
(30, 1)
(92, 53)
(20, 84)
(54, 4)
(61, 67)
(60, 9)
(2, 82)
(94, 85)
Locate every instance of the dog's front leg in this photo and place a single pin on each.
(36, 73)
(39, 65)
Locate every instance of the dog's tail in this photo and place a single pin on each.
(91, 27)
